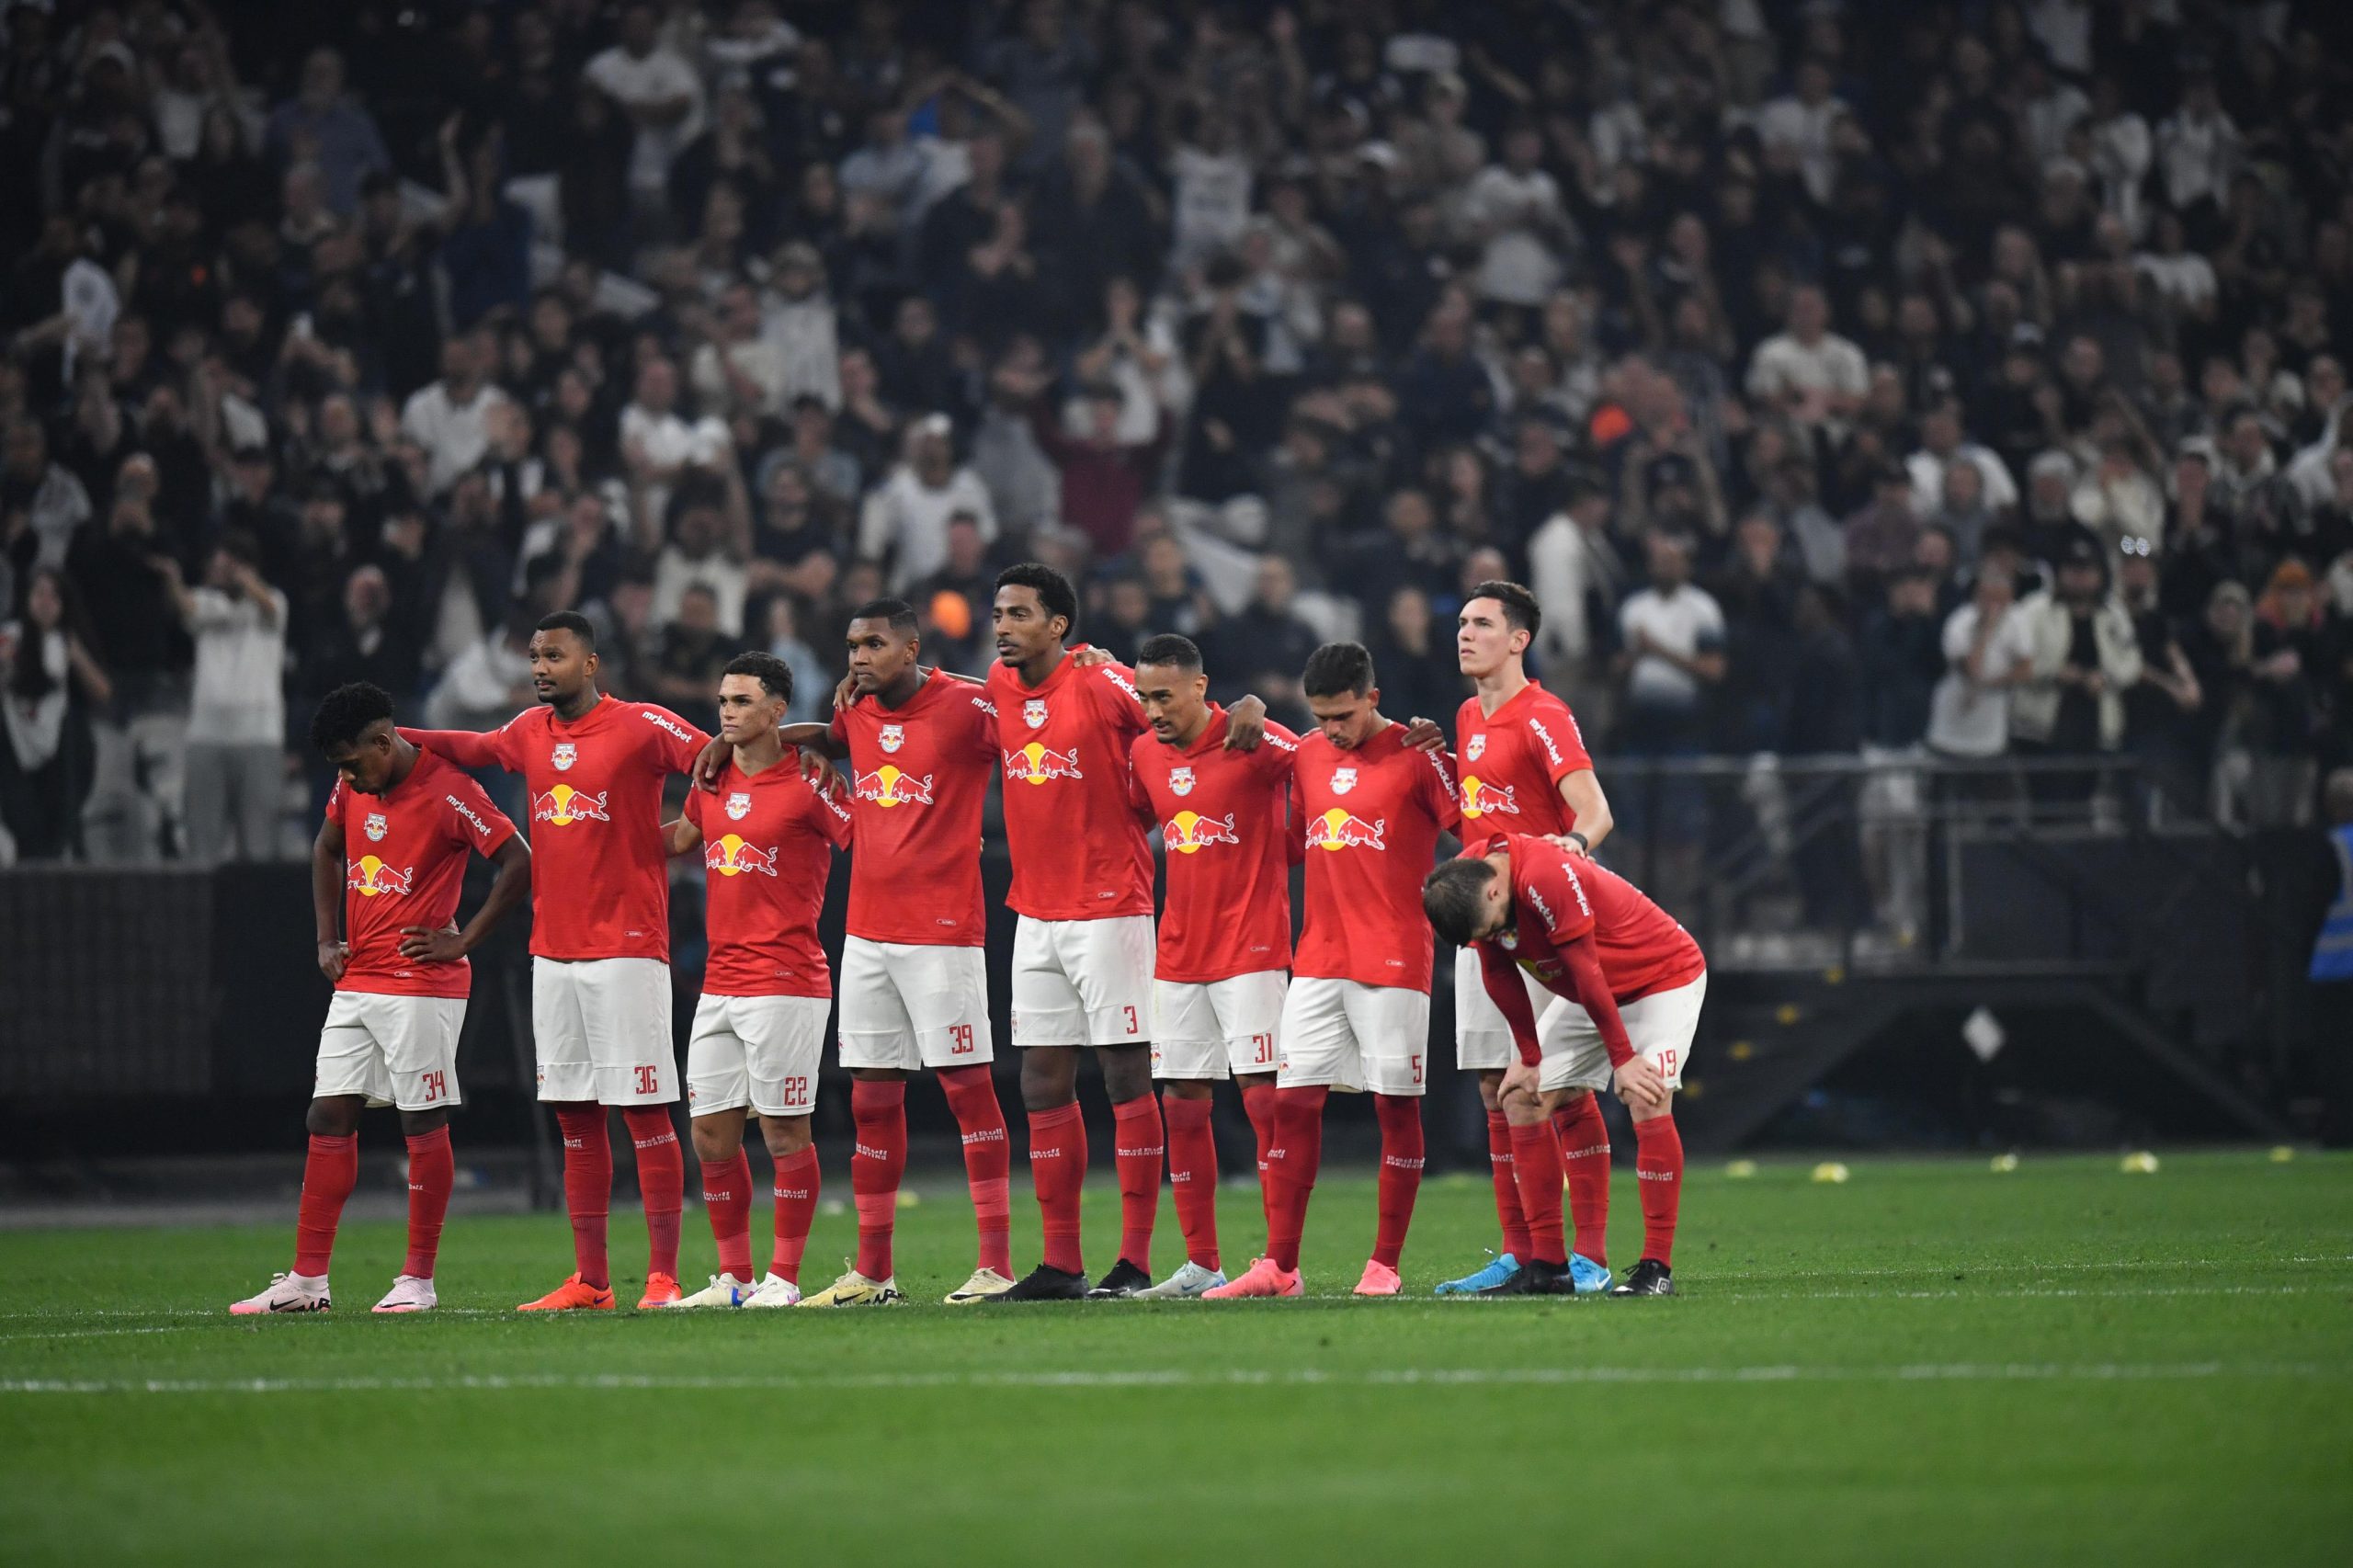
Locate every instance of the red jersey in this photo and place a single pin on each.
(1221, 816)
(918, 776)
(1513, 762)
(405, 863)
(766, 858)
(1558, 897)
(1370, 819)
(600, 883)
(1078, 851)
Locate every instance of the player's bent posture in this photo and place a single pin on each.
(1367, 808)
(1627, 985)
(1222, 965)
(390, 858)
(913, 986)
(767, 835)
(1083, 949)
(1524, 770)
(600, 940)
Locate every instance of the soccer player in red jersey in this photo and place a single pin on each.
(1082, 949)
(1369, 808)
(600, 939)
(1627, 983)
(767, 834)
(1524, 771)
(400, 974)
(913, 983)
(1221, 968)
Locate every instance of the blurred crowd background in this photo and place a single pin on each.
(1881, 382)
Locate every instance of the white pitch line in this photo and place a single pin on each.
(1966, 1372)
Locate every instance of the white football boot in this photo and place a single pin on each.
(409, 1294)
(286, 1293)
(1185, 1284)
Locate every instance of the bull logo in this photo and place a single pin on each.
(893, 737)
(564, 805)
(1033, 712)
(887, 787)
(1036, 763)
(1477, 748)
(1479, 798)
(730, 856)
(1181, 780)
(376, 828)
(739, 805)
(1343, 781)
(370, 878)
(567, 754)
(1188, 833)
(1337, 829)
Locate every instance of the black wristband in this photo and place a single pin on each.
(1584, 845)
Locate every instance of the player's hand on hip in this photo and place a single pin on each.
(427, 945)
(1641, 1085)
(1245, 725)
(333, 957)
(1519, 1079)
(1423, 734)
(709, 763)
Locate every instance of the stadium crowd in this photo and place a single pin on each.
(1985, 402)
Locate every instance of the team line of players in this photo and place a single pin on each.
(1569, 979)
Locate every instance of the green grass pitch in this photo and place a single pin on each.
(1932, 1362)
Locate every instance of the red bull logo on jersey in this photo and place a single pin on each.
(893, 737)
(1479, 798)
(1343, 781)
(1188, 833)
(567, 754)
(1036, 763)
(564, 805)
(1476, 748)
(739, 805)
(1180, 781)
(370, 878)
(887, 787)
(376, 828)
(730, 856)
(1337, 829)
(1033, 712)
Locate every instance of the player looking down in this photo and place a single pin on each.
(600, 940)
(767, 834)
(1627, 983)
(1222, 966)
(1524, 770)
(1367, 808)
(390, 859)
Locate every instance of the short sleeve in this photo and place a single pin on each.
(675, 743)
(1276, 755)
(838, 728)
(335, 802)
(982, 718)
(472, 820)
(1114, 691)
(831, 818)
(1555, 735)
(1556, 882)
(1439, 792)
(692, 808)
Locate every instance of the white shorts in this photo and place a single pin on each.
(1219, 1028)
(1355, 1037)
(601, 1027)
(1082, 981)
(908, 1005)
(398, 1051)
(761, 1051)
(1660, 1026)
(1482, 1038)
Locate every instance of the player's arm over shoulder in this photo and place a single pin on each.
(1275, 755)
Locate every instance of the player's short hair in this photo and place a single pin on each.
(898, 613)
(772, 673)
(1451, 897)
(345, 714)
(1054, 589)
(1338, 669)
(1167, 648)
(570, 621)
(1520, 611)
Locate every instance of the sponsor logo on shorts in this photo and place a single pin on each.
(1187, 833)
(887, 787)
(370, 878)
(563, 805)
(1337, 829)
(1037, 764)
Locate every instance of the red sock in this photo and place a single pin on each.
(661, 1183)
(1500, 1169)
(1658, 1162)
(329, 1172)
(1137, 1146)
(796, 1205)
(1401, 1173)
(988, 1160)
(1058, 1167)
(432, 1172)
(877, 1161)
(1291, 1169)
(587, 1188)
(1583, 1140)
(1192, 1175)
(727, 1198)
(1259, 1104)
(1536, 1163)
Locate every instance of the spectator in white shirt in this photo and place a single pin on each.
(2199, 148)
(698, 557)
(659, 92)
(660, 445)
(905, 522)
(798, 320)
(1942, 445)
(450, 418)
(1673, 633)
(737, 370)
(237, 710)
(1802, 122)
(1512, 210)
(1815, 375)
(1987, 654)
